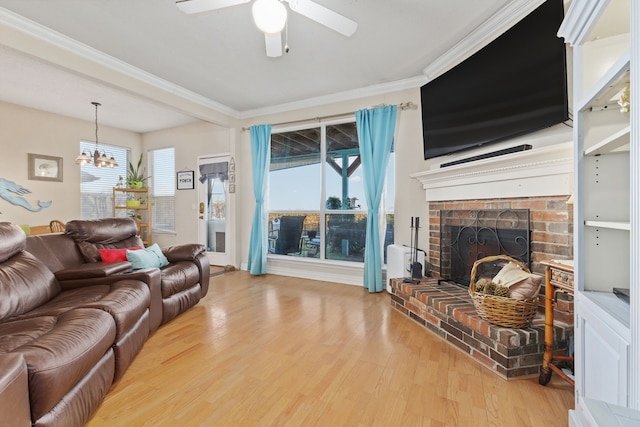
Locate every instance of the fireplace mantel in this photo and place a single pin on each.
(541, 171)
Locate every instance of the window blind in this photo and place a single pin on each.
(163, 184)
(96, 184)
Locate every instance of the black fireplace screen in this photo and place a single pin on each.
(468, 235)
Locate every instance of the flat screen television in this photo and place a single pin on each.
(515, 85)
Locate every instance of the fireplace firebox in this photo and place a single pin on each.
(467, 235)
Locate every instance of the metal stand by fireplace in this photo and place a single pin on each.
(467, 235)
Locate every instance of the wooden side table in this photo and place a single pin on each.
(558, 278)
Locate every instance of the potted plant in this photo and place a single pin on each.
(334, 203)
(136, 178)
(134, 202)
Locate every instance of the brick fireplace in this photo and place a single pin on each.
(551, 225)
(539, 181)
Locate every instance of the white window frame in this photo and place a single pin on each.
(323, 211)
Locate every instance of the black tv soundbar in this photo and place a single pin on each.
(502, 152)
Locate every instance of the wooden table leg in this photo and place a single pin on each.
(545, 372)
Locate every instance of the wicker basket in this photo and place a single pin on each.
(502, 311)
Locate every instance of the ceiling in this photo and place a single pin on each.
(218, 58)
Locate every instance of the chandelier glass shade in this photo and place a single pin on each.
(270, 16)
(99, 160)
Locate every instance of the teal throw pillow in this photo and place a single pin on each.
(158, 252)
(151, 257)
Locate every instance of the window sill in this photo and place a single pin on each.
(350, 273)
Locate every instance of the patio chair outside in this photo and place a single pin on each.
(288, 239)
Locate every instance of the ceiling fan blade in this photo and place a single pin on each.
(197, 6)
(324, 16)
(274, 44)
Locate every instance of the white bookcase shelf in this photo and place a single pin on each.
(604, 37)
(609, 85)
(612, 225)
(614, 142)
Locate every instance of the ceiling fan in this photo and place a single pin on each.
(270, 17)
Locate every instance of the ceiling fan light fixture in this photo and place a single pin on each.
(270, 16)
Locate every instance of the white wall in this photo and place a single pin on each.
(189, 141)
(24, 130)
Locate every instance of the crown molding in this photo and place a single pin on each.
(579, 20)
(348, 95)
(60, 41)
(44, 34)
(500, 22)
(481, 36)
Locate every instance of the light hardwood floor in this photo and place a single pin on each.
(278, 351)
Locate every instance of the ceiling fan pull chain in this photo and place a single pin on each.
(286, 37)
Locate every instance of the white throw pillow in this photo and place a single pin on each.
(510, 274)
(520, 283)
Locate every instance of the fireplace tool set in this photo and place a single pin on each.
(414, 267)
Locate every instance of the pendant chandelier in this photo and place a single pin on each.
(98, 160)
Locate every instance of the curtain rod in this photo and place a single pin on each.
(402, 106)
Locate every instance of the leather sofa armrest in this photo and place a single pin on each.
(202, 261)
(92, 270)
(150, 276)
(185, 252)
(14, 391)
(195, 253)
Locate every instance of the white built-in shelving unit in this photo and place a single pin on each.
(604, 38)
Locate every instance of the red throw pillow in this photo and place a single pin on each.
(116, 255)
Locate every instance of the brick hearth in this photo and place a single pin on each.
(447, 310)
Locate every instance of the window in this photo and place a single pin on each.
(316, 194)
(162, 181)
(96, 184)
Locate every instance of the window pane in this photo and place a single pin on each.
(163, 183)
(344, 172)
(390, 185)
(96, 184)
(345, 237)
(294, 234)
(217, 175)
(294, 173)
(319, 210)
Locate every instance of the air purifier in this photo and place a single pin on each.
(399, 259)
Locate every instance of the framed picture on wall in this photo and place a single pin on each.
(44, 168)
(185, 180)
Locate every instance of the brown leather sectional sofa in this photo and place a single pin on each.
(70, 324)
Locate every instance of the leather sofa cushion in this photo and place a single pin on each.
(124, 300)
(12, 240)
(56, 251)
(14, 394)
(106, 233)
(92, 270)
(185, 252)
(180, 302)
(177, 277)
(59, 351)
(25, 284)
